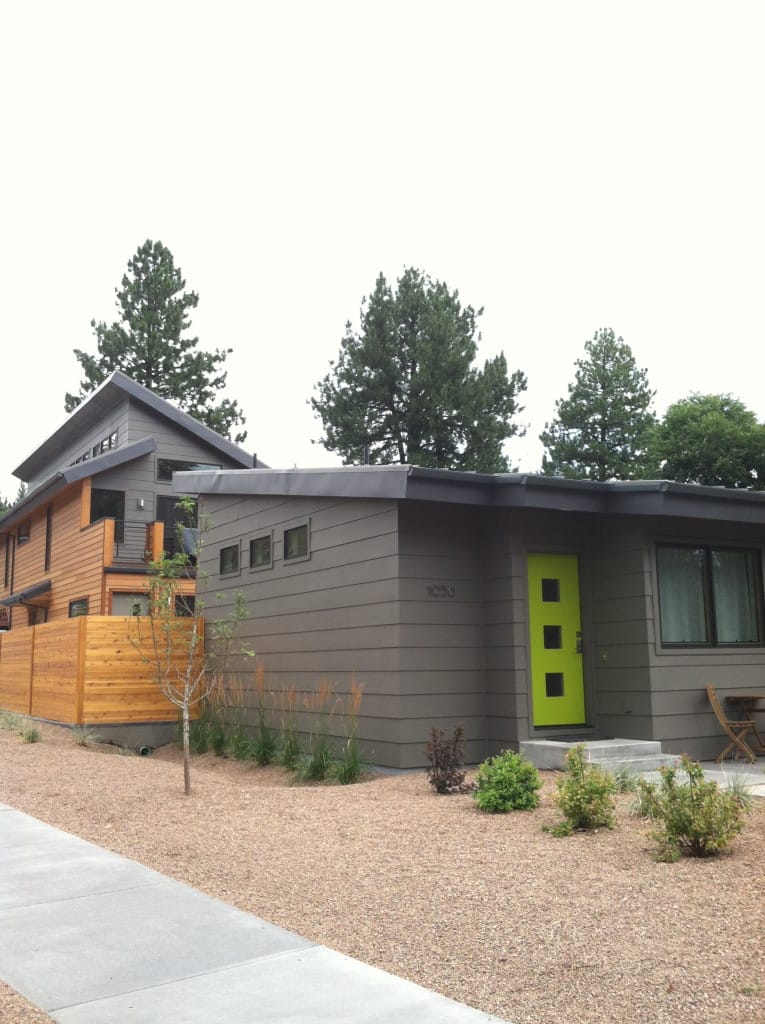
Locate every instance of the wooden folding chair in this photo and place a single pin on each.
(736, 731)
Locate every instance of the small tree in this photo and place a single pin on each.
(601, 431)
(186, 672)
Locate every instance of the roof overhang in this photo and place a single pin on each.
(101, 403)
(30, 595)
(58, 481)
(503, 490)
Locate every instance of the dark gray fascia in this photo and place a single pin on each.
(25, 596)
(505, 490)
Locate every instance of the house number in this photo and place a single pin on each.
(441, 590)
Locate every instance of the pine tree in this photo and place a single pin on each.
(149, 344)
(404, 387)
(601, 431)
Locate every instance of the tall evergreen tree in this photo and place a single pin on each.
(601, 431)
(149, 344)
(404, 387)
(711, 439)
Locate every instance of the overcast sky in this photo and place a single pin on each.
(566, 165)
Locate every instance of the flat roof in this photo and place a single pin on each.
(500, 490)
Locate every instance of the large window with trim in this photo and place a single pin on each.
(709, 596)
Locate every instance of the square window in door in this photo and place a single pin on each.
(553, 684)
(553, 638)
(551, 590)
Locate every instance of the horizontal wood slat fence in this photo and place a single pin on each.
(85, 671)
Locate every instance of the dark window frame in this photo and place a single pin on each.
(710, 617)
(304, 555)
(48, 535)
(236, 570)
(74, 613)
(24, 532)
(260, 566)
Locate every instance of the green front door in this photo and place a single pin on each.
(555, 625)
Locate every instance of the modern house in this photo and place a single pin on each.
(521, 607)
(100, 505)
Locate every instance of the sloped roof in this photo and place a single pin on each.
(100, 403)
(58, 481)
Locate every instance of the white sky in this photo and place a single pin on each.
(567, 165)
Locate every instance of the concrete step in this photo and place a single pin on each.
(616, 754)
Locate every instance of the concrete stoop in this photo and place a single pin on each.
(635, 756)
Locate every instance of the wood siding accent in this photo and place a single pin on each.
(16, 650)
(88, 670)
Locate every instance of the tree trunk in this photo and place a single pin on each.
(186, 757)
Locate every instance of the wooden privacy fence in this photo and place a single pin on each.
(87, 670)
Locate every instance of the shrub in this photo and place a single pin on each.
(84, 736)
(446, 756)
(350, 767)
(507, 782)
(585, 795)
(30, 734)
(10, 721)
(264, 745)
(199, 735)
(696, 817)
(319, 763)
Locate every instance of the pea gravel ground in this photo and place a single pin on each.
(486, 909)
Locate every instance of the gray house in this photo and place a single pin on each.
(522, 607)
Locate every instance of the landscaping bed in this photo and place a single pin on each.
(487, 909)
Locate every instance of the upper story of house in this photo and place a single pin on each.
(100, 503)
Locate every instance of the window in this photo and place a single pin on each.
(78, 607)
(166, 468)
(48, 535)
(24, 531)
(229, 560)
(185, 605)
(296, 542)
(708, 596)
(260, 553)
(106, 504)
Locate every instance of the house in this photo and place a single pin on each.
(100, 505)
(522, 607)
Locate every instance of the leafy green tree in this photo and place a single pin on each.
(404, 387)
(710, 439)
(149, 344)
(601, 431)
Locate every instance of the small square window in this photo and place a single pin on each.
(78, 608)
(551, 590)
(296, 542)
(229, 559)
(553, 638)
(553, 684)
(260, 552)
(24, 531)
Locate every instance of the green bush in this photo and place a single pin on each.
(585, 795)
(507, 782)
(319, 763)
(446, 760)
(697, 817)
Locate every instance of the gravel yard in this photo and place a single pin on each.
(486, 909)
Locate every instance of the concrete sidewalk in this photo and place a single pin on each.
(93, 938)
